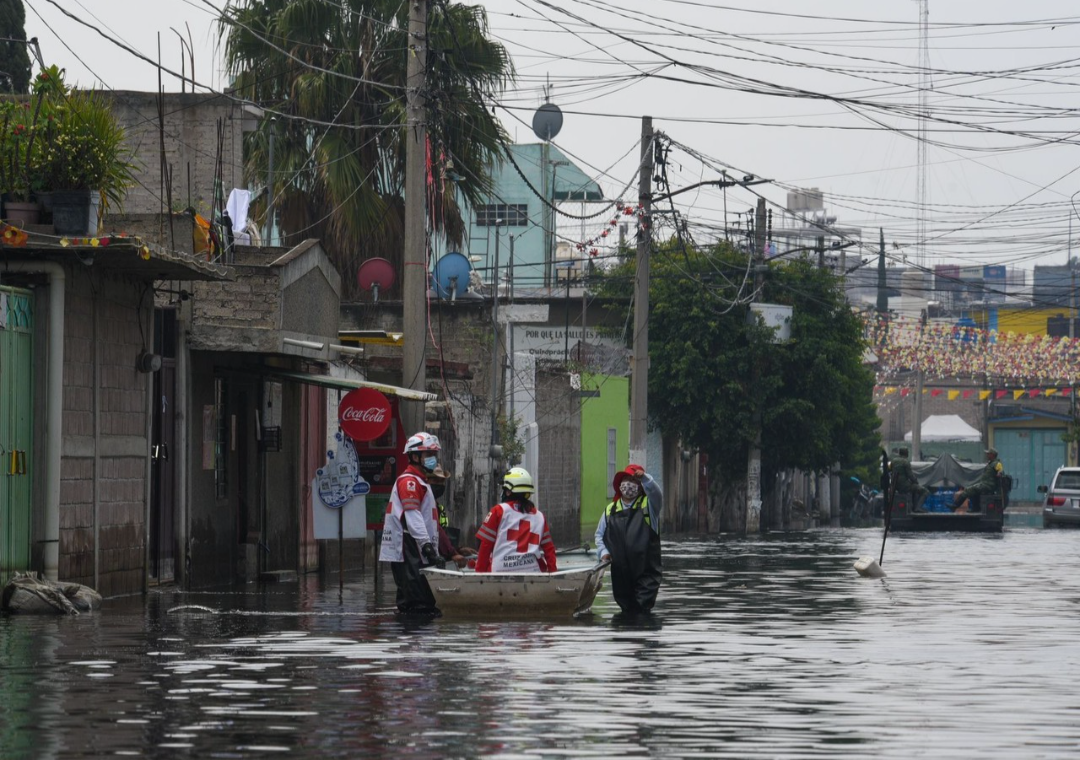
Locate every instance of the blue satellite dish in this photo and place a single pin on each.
(451, 274)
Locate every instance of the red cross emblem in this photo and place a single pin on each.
(524, 536)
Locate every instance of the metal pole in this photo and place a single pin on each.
(639, 380)
(414, 295)
(753, 465)
(545, 159)
(270, 187)
(495, 366)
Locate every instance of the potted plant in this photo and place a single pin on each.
(18, 158)
(84, 161)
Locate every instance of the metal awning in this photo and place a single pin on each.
(326, 381)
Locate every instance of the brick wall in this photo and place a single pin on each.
(110, 469)
(558, 410)
(191, 148)
(250, 302)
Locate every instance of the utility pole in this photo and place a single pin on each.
(639, 379)
(496, 453)
(821, 251)
(414, 295)
(270, 187)
(882, 296)
(916, 424)
(753, 465)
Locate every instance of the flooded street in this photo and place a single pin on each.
(759, 648)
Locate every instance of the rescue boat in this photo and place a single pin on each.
(564, 592)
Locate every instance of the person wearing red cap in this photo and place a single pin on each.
(629, 536)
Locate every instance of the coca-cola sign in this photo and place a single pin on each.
(364, 414)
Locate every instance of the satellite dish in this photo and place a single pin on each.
(451, 275)
(375, 274)
(547, 121)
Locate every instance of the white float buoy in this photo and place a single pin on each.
(868, 567)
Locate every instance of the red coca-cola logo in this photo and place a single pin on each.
(364, 414)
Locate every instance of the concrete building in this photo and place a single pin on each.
(77, 373)
(515, 208)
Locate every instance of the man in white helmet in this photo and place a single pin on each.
(515, 537)
(411, 527)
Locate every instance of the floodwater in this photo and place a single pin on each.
(759, 648)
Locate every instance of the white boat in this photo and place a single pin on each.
(564, 592)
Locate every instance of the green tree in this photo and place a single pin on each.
(712, 370)
(14, 58)
(344, 63)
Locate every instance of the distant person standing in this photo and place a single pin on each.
(989, 482)
(629, 535)
(904, 478)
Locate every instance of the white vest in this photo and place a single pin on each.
(393, 522)
(517, 545)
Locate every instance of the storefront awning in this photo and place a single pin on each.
(326, 381)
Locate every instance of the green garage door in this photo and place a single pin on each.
(1031, 456)
(16, 428)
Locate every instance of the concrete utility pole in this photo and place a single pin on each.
(753, 465)
(882, 296)
(496, 453)
(639, 379)
(414, 294)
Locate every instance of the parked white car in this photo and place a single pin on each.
(1061, 500)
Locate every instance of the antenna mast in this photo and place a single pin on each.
(924, 98)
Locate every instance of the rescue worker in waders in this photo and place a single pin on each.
(629, 536)
(448, 536)
(411, 527)
(515, 537)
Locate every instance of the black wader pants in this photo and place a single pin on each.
(636, 567)
(413, 592)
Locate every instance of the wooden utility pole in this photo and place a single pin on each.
(414, 295)
(753, 466)
(639, 379)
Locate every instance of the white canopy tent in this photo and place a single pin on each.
(946, 427)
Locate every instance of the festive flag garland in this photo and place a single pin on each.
(621, 210)
(14, 237)
(953, 351)
(970, 395)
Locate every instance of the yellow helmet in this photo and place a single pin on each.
(518, 481)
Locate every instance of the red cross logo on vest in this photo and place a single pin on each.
(524, 536)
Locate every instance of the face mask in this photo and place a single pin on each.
(438, 491)
(628, 489)
(430, 463)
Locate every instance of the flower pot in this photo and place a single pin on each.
(19, 213)
(75, 212)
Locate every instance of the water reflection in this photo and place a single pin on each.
(770, 647)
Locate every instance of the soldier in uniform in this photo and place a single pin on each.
(905, 480)
(989, 482)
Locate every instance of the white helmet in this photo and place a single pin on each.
(422, 442)
(519, 481)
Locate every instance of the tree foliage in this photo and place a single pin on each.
(15, 69)
(711, 371)
(344, 64)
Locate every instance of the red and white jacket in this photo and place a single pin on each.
(513, 541)
(411, 508)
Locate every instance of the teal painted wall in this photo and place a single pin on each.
(611, 409)
(510, 188)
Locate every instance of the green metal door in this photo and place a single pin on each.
(16, 428)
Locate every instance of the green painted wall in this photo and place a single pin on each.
(609, 409)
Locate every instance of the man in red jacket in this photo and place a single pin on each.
(515, 537)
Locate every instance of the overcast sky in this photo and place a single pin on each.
(997, 67)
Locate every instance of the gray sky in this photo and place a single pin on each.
(998, 66)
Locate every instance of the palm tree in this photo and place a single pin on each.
(334, 72)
